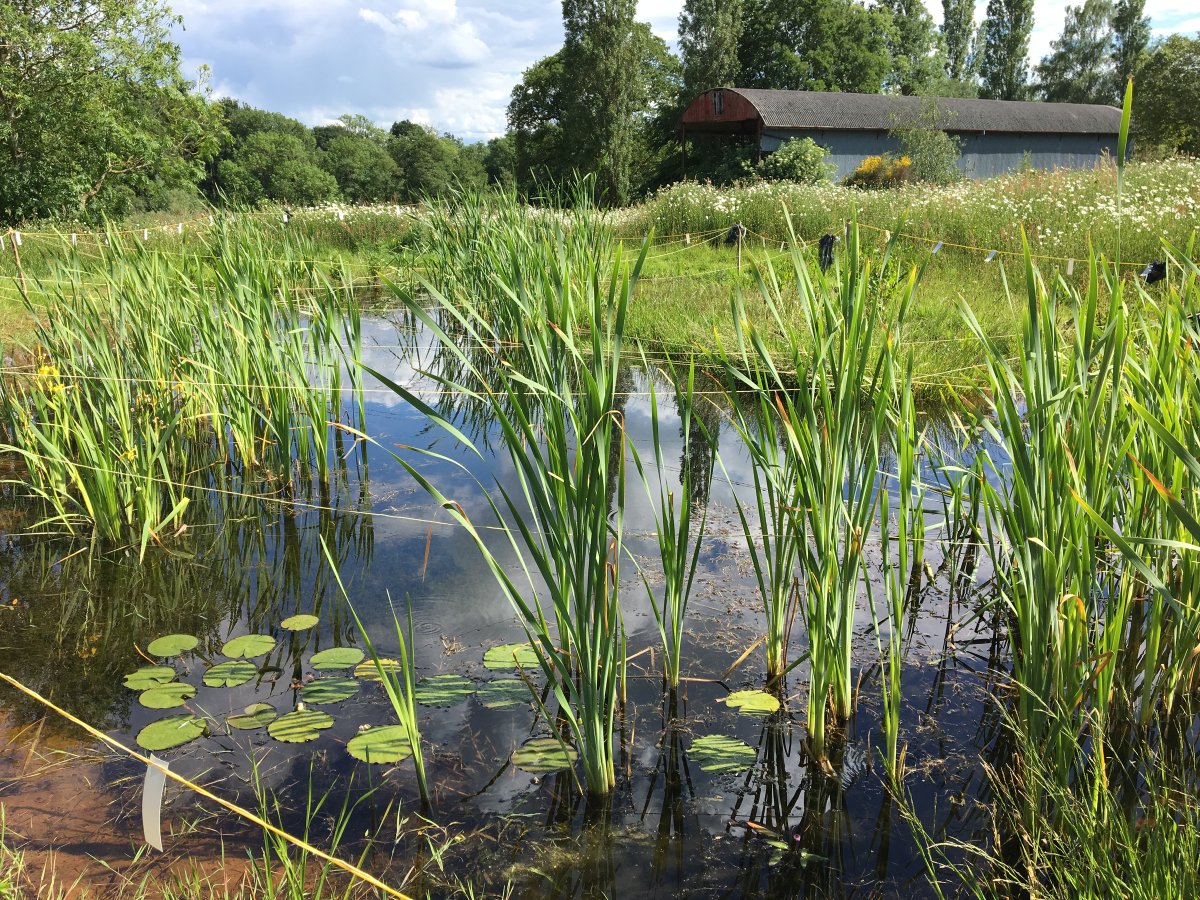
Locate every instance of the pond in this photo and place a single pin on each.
(762, 820)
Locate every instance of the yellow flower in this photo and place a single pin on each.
(129, 455)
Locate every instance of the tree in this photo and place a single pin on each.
(1131, 36)
(916, 51)
(93, 107)
(816, 45)
(1079, 70)
(958, 37)
(1004, 67)
(539, 117)
(363, 169)
(430, 164)
(1168, 95)
(268, 156)
(709, 31)
(601, 53)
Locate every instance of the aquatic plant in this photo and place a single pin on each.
(822, 418)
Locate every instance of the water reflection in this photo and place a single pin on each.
(671, 829)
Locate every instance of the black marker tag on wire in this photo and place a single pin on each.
(152, 795)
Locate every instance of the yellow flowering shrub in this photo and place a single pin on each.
(881, 171)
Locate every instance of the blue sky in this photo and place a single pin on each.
(446, 63)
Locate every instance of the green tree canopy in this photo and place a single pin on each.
(1080, 67)
(1131, 36)
(918, 58)
(709, 31)
(1004, 66)
(430, 164)
(958, 37)
(816, 45)
(93, 107)
(1166, 96)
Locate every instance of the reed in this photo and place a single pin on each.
(679, 549)
(556, 403)
(175, 375)
(824, 408)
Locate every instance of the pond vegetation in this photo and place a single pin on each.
(519, 671)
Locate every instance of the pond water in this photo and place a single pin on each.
(74, 620)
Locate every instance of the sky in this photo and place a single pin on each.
(450, 64)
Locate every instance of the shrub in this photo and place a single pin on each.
(933, 152)
(800, 159)
(881, 172)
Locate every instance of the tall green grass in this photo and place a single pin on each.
(178, 374)
(823, 409)
(554, 399)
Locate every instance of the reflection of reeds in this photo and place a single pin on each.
(679, 548)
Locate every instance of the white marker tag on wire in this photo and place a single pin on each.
(179, 228)
(936, 248)
(152, 794)
(1070, 267)
(990, 256)
(17, 238)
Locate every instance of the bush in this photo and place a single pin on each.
(933, 152)
(800, 159)
(881, 172)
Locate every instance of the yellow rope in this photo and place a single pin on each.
(203, 792)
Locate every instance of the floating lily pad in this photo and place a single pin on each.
(300, 726)
(503, 693)
(544, 755)
(388, 744)
(718, 753)
(256, 716)
(167, 696)
(753, 703)
(301, 622)
(173, 731)
(149, 676)
(230, 673)
(249, 646)
(329, 690)
(368, 671)
(172, 645)
(511, 656)
(336, 658)
(443, 690)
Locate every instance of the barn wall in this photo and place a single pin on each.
(983, 155)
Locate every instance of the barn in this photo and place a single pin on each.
(996, 136)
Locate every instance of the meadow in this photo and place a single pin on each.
(564, 663)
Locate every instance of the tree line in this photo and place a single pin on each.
(96, 118)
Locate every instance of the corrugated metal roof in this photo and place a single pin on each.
(881, 112)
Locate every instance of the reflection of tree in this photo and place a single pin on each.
(81, 614)
(671, 835)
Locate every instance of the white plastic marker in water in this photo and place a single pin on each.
(152, 794)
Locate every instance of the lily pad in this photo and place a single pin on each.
(329, 690)
(172, 645)
(752, 703)
(544, 755)
(173, 731)
(230, 673)
(719, 753)
(249, 646)
(368, 671)
(167, 696)
(300, 726)
(149, 676)
(301, 622)
(256, 716)
(443, 690)
(502, 693)
(511, 656)
(336, 658)
(388, 744)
